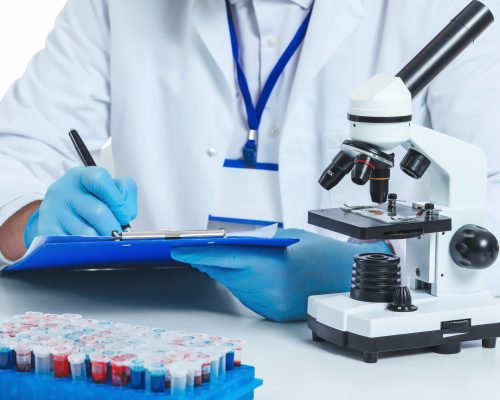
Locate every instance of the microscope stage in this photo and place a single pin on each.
(360, 227)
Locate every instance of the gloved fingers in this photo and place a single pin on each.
(233, 257)
(96, 213)
(99, 182)
(73, 225)
(128, 188)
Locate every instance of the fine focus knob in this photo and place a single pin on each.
(402, 301)
(473, 246)
(414, 164)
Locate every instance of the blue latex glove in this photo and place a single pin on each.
(276, 283)
(85, 201)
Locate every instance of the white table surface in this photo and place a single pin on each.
(292, 366)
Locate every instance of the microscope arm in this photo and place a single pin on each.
(458, 170)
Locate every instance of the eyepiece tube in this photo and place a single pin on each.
(466, 27)
(340, 166)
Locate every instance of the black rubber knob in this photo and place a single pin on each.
(402, 301)
(414, 164)
(474, 247)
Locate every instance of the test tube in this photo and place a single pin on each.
(214, 365)
(222, 361)
(23, 356)
(155, 377)
(128, 358)
(77, 364)
(197, 372)
(137, 374)
(229, 355)
(205, 367)
(99, 368)
(178, 372)
(42, 360)
(190, 377)
(5, 354)
(238, 349)
(118, 370)
(60, 356)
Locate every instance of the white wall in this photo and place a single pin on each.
(24, 25)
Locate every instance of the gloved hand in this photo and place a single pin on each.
(85, 201)
(276, 283)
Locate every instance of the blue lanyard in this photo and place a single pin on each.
(254, 113)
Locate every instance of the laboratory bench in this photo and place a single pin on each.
(291, 364)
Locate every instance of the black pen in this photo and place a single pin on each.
(86, 158)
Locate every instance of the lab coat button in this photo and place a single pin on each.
(272, 41)
(274, 131)
(211, 152)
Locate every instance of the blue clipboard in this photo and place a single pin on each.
(78, 252)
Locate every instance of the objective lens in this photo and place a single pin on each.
(362, 171)
(379, 185)
(340, 166)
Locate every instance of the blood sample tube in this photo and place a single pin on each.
(128, 358)
(205, 367)
(99, 367)
(137, 373)
(238, 349)
(61, 366)
(155, 377)
(179, 372)
(5, 354)
(23, 357)
(196, 364)
(42, 360)
(118, 370)
(77, 365)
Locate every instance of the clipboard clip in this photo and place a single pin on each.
(170, 234)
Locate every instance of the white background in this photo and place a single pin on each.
(24, 25)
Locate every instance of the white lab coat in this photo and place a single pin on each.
(157, 76)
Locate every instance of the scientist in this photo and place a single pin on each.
(225, 113)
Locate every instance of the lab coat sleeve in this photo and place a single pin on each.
(65, 86)
(464, 101)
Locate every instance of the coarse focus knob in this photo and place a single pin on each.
(402, 301)
(414, 164)
(474, 247)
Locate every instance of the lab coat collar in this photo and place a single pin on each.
(302, 3)
(210, 21)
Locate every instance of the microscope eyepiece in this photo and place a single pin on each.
(363, 168)
(340, 166)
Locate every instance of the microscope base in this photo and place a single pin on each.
(440, 324)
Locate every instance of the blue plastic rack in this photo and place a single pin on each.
(238, 384)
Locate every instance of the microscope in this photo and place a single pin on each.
(447, 247)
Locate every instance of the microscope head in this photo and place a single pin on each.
(380, 110)
(379, 120)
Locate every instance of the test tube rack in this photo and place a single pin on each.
(51, 356)
(238, 384)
